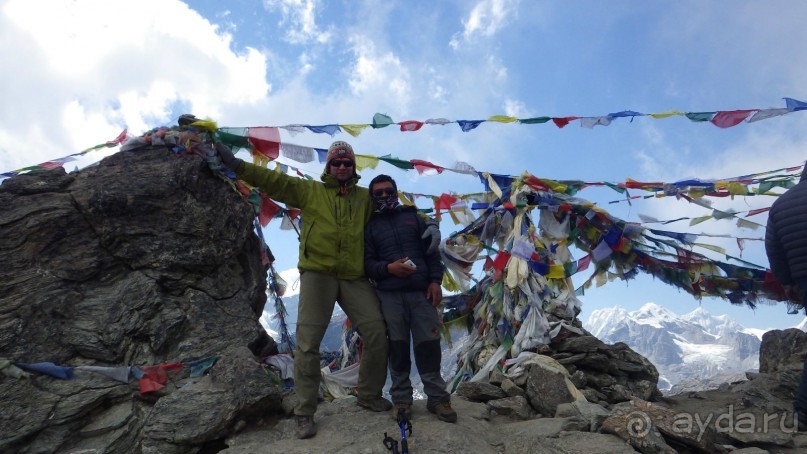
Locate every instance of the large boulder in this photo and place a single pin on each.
(148, 258)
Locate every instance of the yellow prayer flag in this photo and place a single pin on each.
(556, 271)
(355, 129)
(260, 160)
(712, 247)
(502, 119)
(735, 188)
(601, 279)
(364, 161)
(494, 187)
(745, 223)
(405, 199)
(206, 124)
(698, 220)
(554, 185)
(665, 114)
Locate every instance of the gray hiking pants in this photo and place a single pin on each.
(410, 313)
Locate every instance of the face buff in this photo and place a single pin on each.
(386, 202)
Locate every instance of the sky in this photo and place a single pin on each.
(75, 73)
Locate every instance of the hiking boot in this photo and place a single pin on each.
(374, 404)
(305, 427)
(405, 407)
(443, 411)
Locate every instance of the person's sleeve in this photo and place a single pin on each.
(374, 267)
(278, 186)
(776, 254)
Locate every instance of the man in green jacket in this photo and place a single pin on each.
(331, 264)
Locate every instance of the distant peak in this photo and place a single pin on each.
(654, 308)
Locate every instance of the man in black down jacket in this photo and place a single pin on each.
(407, 281)
(786, 246)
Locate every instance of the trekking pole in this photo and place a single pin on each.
(391, 444)
(406, 426)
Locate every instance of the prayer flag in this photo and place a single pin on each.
(467, 125)
(764, 114)
(665, 114)
(700, 116)
(560, 122)
(590, 122)
(534, 120)
(327, 129)
(354, 130)
(727, 119)
(438, 121)
(794, 104)
(502, 119)
(425, 166)
(399, 163)
(265, 140)
(381, 121)
(297, 153)
(410, 125)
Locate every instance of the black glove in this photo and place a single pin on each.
(227, 156)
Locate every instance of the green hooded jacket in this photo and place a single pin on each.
(332, 237)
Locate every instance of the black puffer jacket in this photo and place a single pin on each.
(786, 235)
(392, 236)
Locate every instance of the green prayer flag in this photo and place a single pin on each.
(534, 120)
(233, 137)
(381, 121)
(399, 163)
(700, 116)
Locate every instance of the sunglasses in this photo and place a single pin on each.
(384, 192)
(346, 163)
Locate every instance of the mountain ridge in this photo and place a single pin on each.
(696, 345)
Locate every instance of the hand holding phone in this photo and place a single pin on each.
(401, 267)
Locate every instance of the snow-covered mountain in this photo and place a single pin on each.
(333, 335)
(693, 346)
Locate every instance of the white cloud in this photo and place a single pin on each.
(516, 108)
(485, 19)
(378, 73)
(101, 65)
(299, 18)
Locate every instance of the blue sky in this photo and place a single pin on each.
(76, 73)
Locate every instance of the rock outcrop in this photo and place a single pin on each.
(147, 258)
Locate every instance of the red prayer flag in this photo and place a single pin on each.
(583, 263)
(501, 260)
(444, 202)
(488, 263)
(535, 183)
(50, 165)
(423, 166)
(268, 210)
(293, 213)
(757, 211)
(265, 140)
(411, 125)
(562, 121)
(729, 118)
(118, 139)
